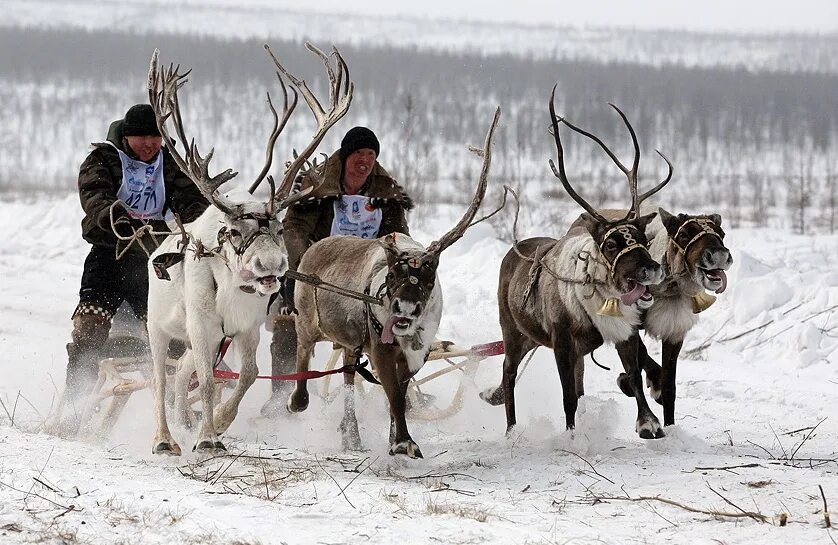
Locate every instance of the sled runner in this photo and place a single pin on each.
(127, 369)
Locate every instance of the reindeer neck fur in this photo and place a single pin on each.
(208, 288)
(577, 298)
(671, 315)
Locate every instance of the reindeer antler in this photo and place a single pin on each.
(631, 174)
(163, 87)
(458, 230)
(560, 172)
(279, 126)
(341, 89)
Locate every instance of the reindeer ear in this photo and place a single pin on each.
(643, 221)
(716, 218)
(669, 221)
(389, 244)
(590, 223)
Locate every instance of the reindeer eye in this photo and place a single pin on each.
(235, 233)
(610, 245)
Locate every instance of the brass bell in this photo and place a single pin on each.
(611, 307)
(702, 302)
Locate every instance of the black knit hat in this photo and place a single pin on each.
(358, 138)
(140, 121)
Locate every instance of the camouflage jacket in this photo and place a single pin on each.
(100, 176)
(310, 220)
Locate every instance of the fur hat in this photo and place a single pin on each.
(358, 138)
(139, 121)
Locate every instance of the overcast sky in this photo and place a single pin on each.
(741, 15)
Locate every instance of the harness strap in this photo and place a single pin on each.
(317, 282)
(706, 226)
(377, 326)
(359, 367)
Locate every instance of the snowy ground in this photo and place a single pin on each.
(287, 481)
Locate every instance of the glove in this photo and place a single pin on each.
(141, 241)
(286, 306)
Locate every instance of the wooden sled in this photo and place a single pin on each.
(119, 377)
(422, 406)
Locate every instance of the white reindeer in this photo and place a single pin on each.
(238, 253)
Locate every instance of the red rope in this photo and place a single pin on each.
(483, 350)
(302, 375)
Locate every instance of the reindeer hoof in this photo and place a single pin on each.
(209, 447)
(406, 447)
(297, 401)
(164, 447)
(492, 396)
(650, 429)
(624, 385)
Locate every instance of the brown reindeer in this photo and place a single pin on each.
(398, 334)
(575, 293)
(692, 251)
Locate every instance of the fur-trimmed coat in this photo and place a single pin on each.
(310, 220)
(100, 176)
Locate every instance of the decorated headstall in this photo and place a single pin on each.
(625, 231)
(611, 306)
(417, 271)
(230, 236)
(706, 227)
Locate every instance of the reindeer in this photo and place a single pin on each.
(225, 291)
(575, 293)
(397, 334)
(692, 251)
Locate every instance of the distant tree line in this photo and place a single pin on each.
(758, 146)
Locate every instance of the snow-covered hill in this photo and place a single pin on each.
(746, 404)
(559, 39)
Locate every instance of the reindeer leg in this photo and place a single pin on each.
(515, 348)
(163, 441)
(183, 376)
(298, 400)
(246, 344)
(647, 425)
(350, 436)
(394, 379)
(653, 375)
(670, 363)
(204, 347)
(579, 375)
(566, 359)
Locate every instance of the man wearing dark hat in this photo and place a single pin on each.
(357, 198)
(133, 169)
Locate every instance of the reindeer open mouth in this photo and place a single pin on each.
(635, 292)
(266, 280)
(713, 279)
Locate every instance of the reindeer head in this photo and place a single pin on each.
(700, 240)
(622, 243)
(411, 272)
(251, 240)
(409, 283)
(623, 247)
(250, 235)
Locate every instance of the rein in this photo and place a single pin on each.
(359, 367)
(319, 283)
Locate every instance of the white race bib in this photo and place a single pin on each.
(354, 216)
(143, 189)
